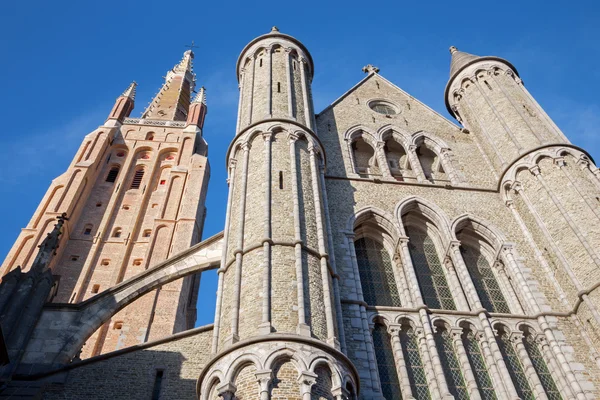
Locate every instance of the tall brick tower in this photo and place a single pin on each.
(134, 194)
(277, 284)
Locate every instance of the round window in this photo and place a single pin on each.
(383, 107)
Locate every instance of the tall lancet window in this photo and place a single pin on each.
(480, 371)
(414, 365)
(376, 273)
(452, 371)
(539, 364)
(483, 277)
(515, 369)
(429, 270)
(388, 375)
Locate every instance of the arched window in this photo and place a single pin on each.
(87, 229)
(539, 364)
(376, 273)
(429, 271)
(112, 174)
(480, 371)
(150, 136)
(397, 160)
(388, 376)
(430, 163)
(365, 162)
(515, 369)
(484, 280)
(450, 364)
(414, 365)
(117, 233)
(137, 179)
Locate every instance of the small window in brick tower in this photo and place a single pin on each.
(137, 179)
(147, 233)
(112, 174)
(117, 233)
(87, 230)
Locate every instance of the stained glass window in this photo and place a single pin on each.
(515, 369)
(452, 372)
(539, 364)
(388, 376)
(430, 274)
(485, 282)
(484, 383)
(414, 365)
(376, 273)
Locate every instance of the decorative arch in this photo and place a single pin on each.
(427, 209)
(484, 228)
(239, 363)
(284, 353)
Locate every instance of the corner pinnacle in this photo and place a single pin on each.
(130, 91)
(453, 49)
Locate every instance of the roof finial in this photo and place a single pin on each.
(274, 29)
(370, 69)
(453, 49)
(200, 96)
(130, 91)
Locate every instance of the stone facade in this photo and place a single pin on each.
(374, 250)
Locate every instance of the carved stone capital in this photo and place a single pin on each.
(560, 161)
(227, 391)
(307, 380)
(264, 378)
(516, 337)
(292, 137)
(246, 146)
(535, 170)
(394, 329)
(267, 136)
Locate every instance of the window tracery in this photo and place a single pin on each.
(414, 364)
(515, 369)
(386, 365)
(428, 268)
(376, 273)
(480, 371)
(452, 371)
(541, 368)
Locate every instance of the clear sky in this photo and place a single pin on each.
(63, 63)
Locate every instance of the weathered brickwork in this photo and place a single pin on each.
(368, 251)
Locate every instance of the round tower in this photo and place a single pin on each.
(487, 96)
(277, 302)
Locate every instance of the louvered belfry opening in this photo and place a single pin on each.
(137, 179)
(112, 174)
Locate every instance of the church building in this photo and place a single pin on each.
(372, 250)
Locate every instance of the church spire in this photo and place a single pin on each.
(459, 60)
(124, 104)
(173, 100)
(198, 109)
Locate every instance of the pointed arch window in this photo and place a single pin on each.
(452, 370)
(376, 273)
(429, 270)
(431, 163)
(541, 368)
(365, 162)
(137, 179)
(112, 174)
(386, 366)
(484, 280)
(515, 369)
(480, 370)
(414, 364)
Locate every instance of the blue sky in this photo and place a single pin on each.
(64, 63)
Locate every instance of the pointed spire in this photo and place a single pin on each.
(274, 29)
(459, 60)
(172, 101)
(130, 91)
(200, 96)
(186, 63)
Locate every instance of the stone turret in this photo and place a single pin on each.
(277, 284)
(487, 96)
(124, 104)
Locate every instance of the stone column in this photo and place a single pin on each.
(516, 339)
(264, 380)
(325, 275)
(302, 329)
(553, 367)
(504, 280)
(331, 252)
(240, 102)
(384, 168)
(251, 96)
(411, 153)
(503, 384)
(430, 370)
(288, 72)
(221, 271)
(394, 331)
(307, 110)
(270, 82)
(227, 391)
(461, 352)
(483, 129)
(537, 173)
(306, 380)
(265, 326)
(238, 252)
(351, 157)
(363, 313)
(457, 290)
(497, 115)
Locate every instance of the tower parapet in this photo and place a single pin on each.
(488, 97)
